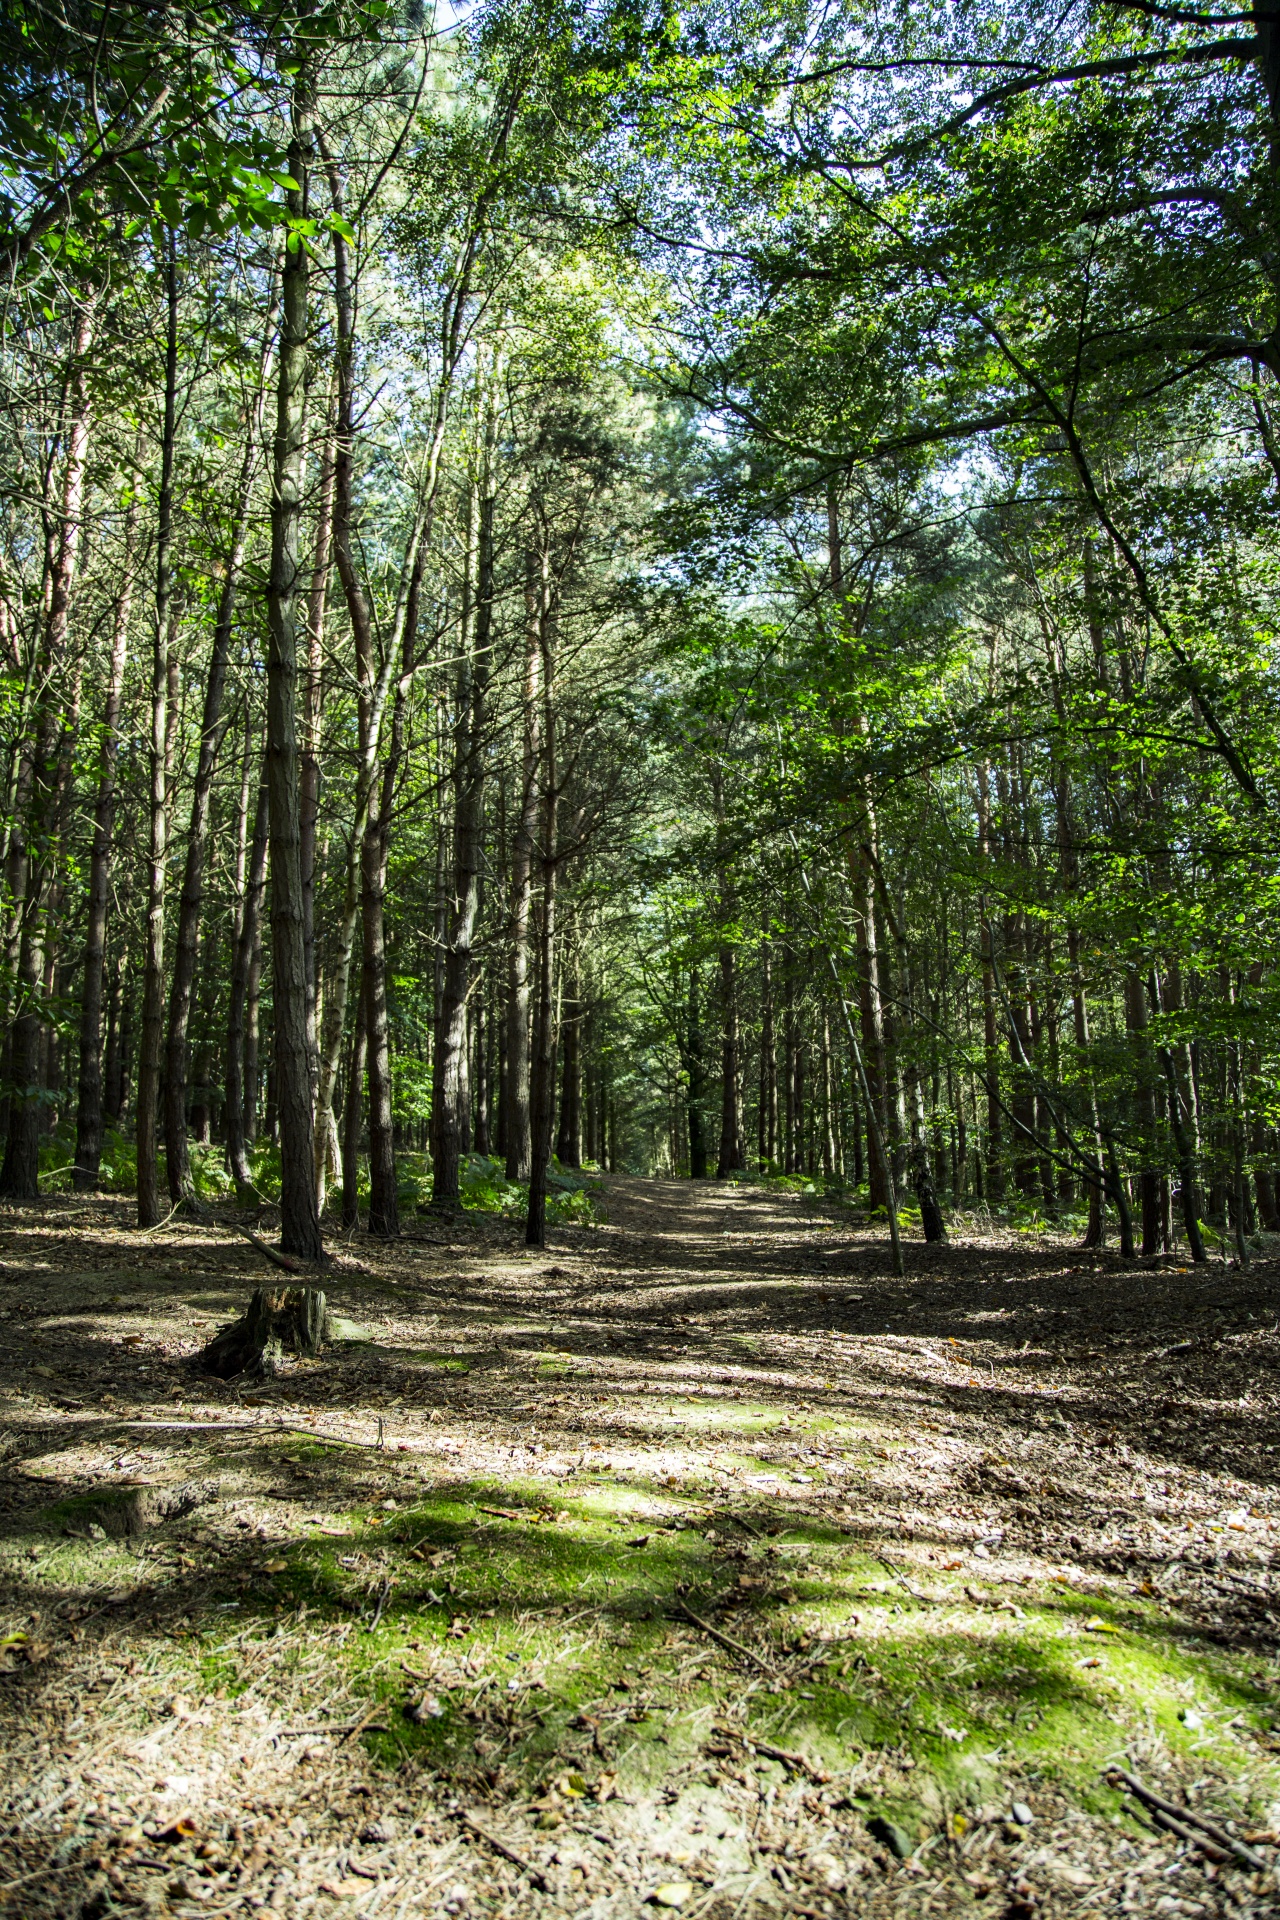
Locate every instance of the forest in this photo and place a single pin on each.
(646, 630)
(691, 595)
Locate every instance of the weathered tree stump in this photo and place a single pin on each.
(278, 1320)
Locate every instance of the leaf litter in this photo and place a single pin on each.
(717, 1571)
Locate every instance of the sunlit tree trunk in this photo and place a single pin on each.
(292, 1050)
(468, 827)
(518, 1144)
(213, 726)
(242, 958)
(89, 1105)
(152, 1044)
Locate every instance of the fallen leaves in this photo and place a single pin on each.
(670, 1893)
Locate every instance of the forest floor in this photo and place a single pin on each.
(695, 1562)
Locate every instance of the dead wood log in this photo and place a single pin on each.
(278, 1320)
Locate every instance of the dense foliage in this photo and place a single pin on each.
(690, 589)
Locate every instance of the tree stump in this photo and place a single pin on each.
(278, 1320)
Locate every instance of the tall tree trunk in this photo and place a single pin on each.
(34, 845)
(351, 1120)
(543, 1079)
(732, 1158)
(543, 1076)
(371, 827)
(309, 777)
(299, 1220)
(152, 1048)
(519, 1149)
(242, 961)
(830, 1151)
(468, 827)
(482, 1082)
(569, 1131)
(338, 978)
(767, 1129)
(384, 1206)
(213, 726)
(696, 1074)
(115, 1065)
(89, 1105)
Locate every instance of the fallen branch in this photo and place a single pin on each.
(281, 1260)
(734, 1646)
(512, 1854)
(245, 1426)
(1181, 1819)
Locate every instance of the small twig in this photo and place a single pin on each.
(734, 1646)
(383, 1596)
(512, 1854)
(160, 1225)
(796, 1761)
(899, 1576)
(344, 1727)
(1174, 1816)
(755, 1532)
(366, 1721)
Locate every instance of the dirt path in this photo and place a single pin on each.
(701, 1563)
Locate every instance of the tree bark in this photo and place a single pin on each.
(468, 827)
(519, 1151)
(152, 1047)
(543, 1079)
(292, 1053)
(696, 1091)
(34, 850)
(569, 1131)
(371, 827)
(89, 1105)
(213, 727)
(241, 966)
(351, 1120)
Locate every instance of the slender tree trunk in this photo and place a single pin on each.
(518, 1139)
(830, 1155)
(89, 1108)
(768, 1122)
(543, 1079)
(468, 829)
(335, 1015)
(482, 1081)
(242, 959)
(696, 1074)
(373, 796)
(1183, 1142)
(352, 1119)
(384, 1207)
(309, 777)
(299, 1220)
(34, 842)
(115, 1065)
(569, 1133)
(152, 1048)
(213, 726)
